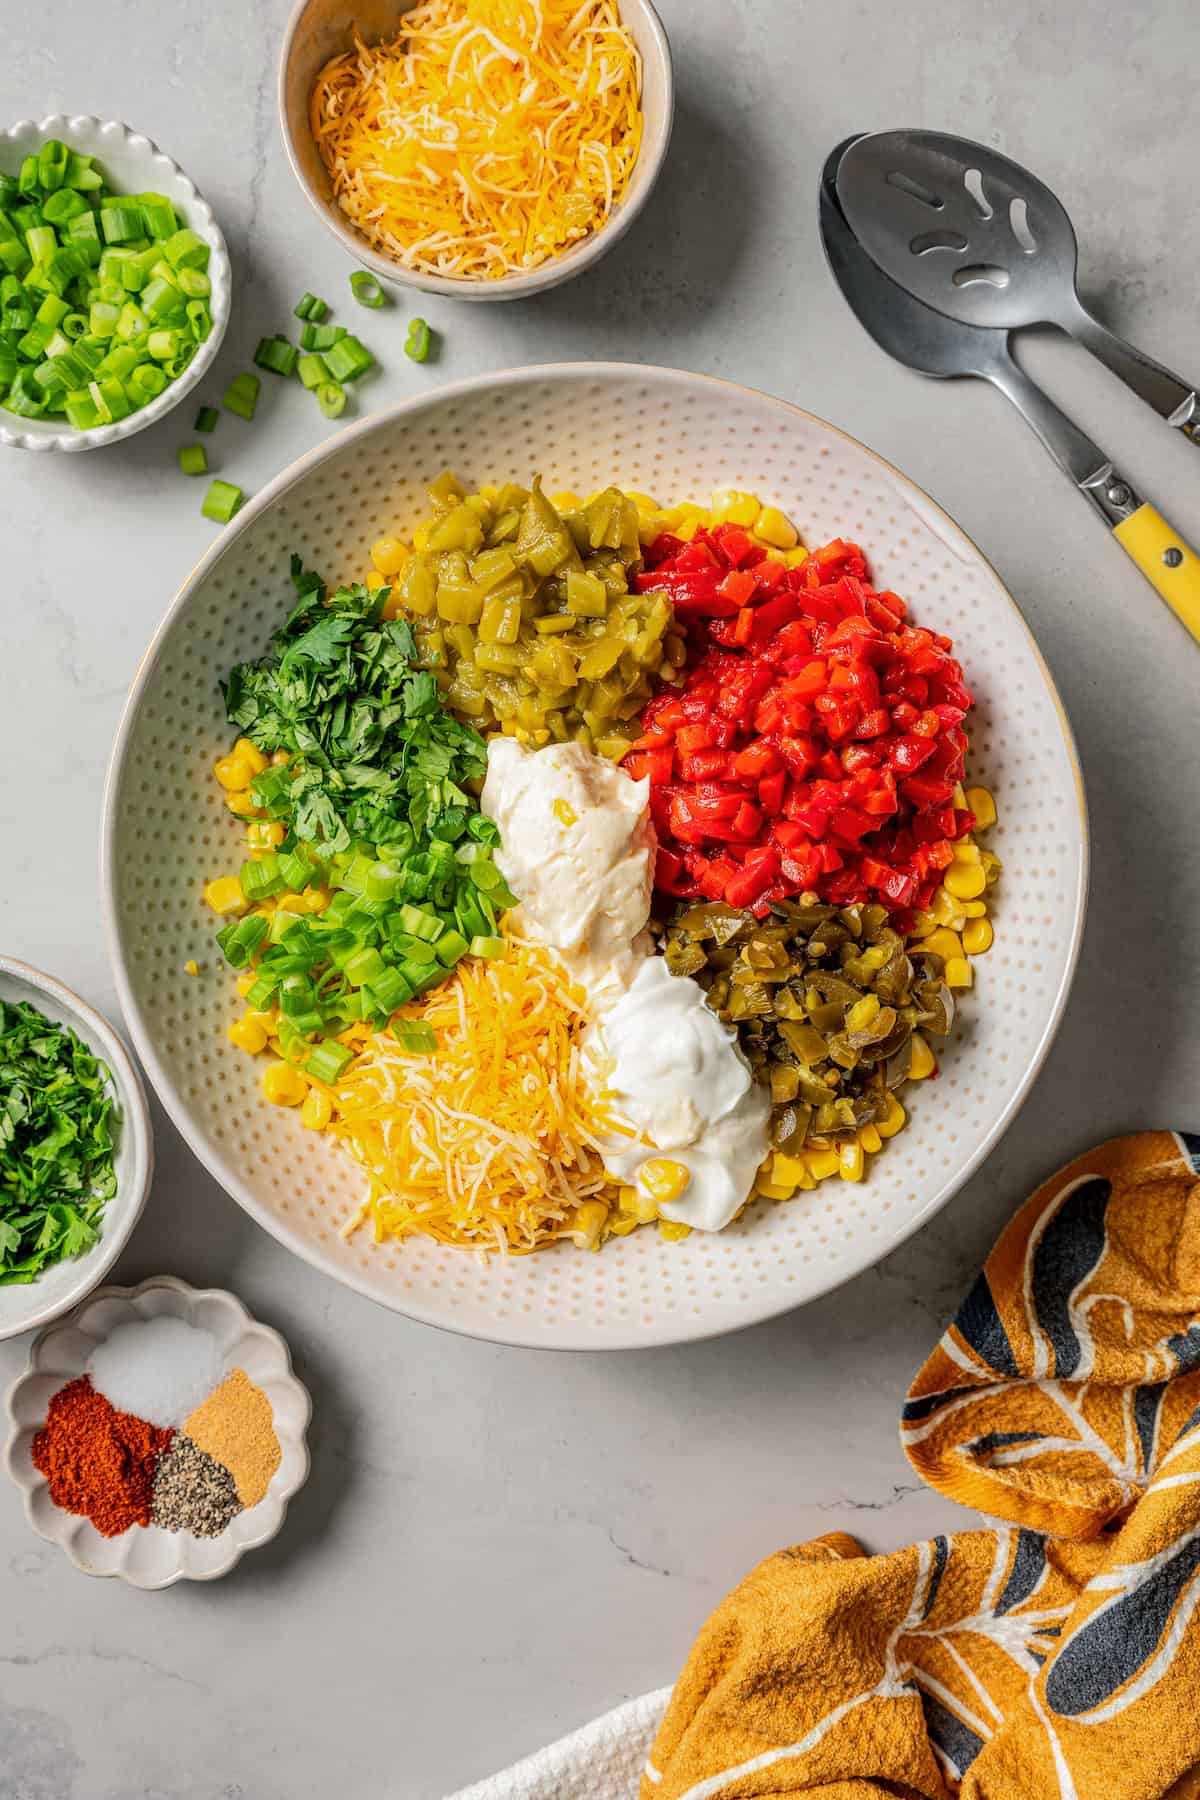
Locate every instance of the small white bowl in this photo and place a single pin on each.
(134, 165)
(321, 29)
(66, 1283)
(147, 1556)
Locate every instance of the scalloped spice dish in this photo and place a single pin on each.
(158, 1433)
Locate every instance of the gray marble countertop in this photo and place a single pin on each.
(496, 1544)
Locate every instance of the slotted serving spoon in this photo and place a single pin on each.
(936, 345)
(979, 238)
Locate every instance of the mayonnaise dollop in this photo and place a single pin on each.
(578, 847)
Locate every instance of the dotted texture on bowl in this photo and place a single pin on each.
(676, 437)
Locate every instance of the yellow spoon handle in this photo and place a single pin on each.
(1166, 560)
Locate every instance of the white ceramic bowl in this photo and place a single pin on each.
(64, 1285)
(320, 29)
(147, 1556)
(134, 165)
(582, 426)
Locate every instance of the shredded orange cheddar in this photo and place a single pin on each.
(489, 136)
(489, 1142)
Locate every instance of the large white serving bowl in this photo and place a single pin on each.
(676, 436)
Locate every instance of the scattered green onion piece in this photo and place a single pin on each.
(312, 370)
(348, 359)
(241, 396)
(331, 398)
(206, 419)
(419, 341)
(220, 503)
(277, 355)
(52, 163)
(414, 1035)
(366, 289)
(321, 337)
(310, 307)
(192, 459)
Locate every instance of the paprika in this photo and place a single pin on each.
(98, 1461)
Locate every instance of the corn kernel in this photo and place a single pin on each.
(991, 867)
(280, 758)
(621, 1224)
(870, 1139)
(663, 1179)
(966, 881)
(389, 555)
(245, 983)
(894, 1120)
(373, 581)
(191, 966)
(943, 943)
(248, 1035)
(241, 801)
(851, 1161)
(283, 1085)
(643, 502)
(233, 772)
(786, 1170)
(823, 1163)
(922, 1061)
(957, 798)
(315, 900)
(566, 501)
(316, 1111)
(776, 529)
(291, 903)
(959, 973)
(794, 559)
(251, 755)
(974, 909)
(588, 1223)
(264, 834)
(967, 852)
(981, 803)
(225, 895)
(673, 1231)
(977, 938)
(731, 506)
(774, 1190)
(640, 1206)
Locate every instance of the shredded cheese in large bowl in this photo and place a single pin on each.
(486, 146)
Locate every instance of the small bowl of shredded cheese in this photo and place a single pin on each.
(486, 149)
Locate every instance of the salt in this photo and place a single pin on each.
(160, 1369)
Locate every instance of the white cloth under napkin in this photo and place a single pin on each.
(600, 1761)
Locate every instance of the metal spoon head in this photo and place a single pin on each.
(960, 227)
(912, 333)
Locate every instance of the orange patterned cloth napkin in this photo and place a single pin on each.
(1056, 1654)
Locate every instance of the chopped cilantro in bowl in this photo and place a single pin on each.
(57, 1124)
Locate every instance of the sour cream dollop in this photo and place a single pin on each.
(578, 846)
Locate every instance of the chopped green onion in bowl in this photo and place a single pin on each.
(88, 278)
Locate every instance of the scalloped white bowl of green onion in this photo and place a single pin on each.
(114, 283)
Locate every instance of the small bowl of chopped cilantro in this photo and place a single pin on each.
(114, 283)
(76, 1152)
